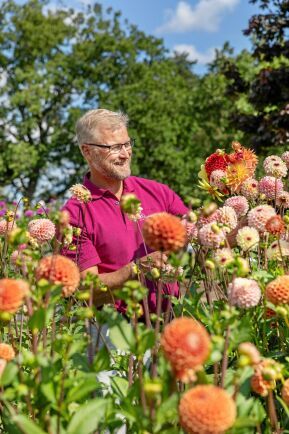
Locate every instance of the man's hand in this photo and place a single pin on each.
(154, 259)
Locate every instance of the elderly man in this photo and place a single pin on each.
(110, 242)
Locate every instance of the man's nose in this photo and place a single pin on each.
(125, 153)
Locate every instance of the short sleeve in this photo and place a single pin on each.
(175, 205)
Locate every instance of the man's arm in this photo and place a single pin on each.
(117, 278)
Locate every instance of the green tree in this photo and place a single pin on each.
(55, 65)
(261, 89)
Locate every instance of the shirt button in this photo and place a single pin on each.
(116, 202)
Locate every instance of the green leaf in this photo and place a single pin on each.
(88, 417)
(27, 425)
(38, 320)
(82, 389)
(147, 340)
(120, 386)
(167, 412)
(121, 335)
(9, 374)
(101, 361)
(48, 391)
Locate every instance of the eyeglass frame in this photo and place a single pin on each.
(131, 140)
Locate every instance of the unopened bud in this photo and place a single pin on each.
(77, 231)
(192, 217)
(210, 264)
(155, 272)
(243, 266)
(244, 361)
(269, 374)
(209, 209)
(286, 219)
(153, 388)
(215, 228)
(262, 196)
(282, 311)
(129, 203)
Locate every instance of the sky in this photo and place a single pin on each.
(197, 27)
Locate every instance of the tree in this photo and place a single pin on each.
(57, 64)
(262, 89)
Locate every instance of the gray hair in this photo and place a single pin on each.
(88, 126)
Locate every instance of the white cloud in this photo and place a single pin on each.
(205, 15)
(194, 54)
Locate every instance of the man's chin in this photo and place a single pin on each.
(120, 176)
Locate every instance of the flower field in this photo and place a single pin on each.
(214, 360)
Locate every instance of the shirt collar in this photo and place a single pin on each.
(97, 192)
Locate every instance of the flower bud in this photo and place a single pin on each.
(243, 266)
(286, 219)
(215, 228)
(269, 374)
(282, 311)
(129, 203)
(209, 209)
(153, 388)
(210, 264)
(155, 273)
(192, 217)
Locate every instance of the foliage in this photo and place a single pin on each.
(91, 59)
(262, 92)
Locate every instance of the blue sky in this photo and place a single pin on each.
(194, 26)
(197, 27)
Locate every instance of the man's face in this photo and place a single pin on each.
(102, 160)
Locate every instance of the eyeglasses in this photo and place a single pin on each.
(115, 149)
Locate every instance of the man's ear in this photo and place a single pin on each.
(84, 149)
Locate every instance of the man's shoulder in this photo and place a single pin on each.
(137, 181)
(73, 206)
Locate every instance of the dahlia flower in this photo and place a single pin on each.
(41, 229)
(237, 173)
(217, 179)
(12, 293)
(211, 235)
(283, 199)
(228, 217)
(223, 257)
(245, 155)
(165, 232)
(247, 238)
(191, 229)
(80, 192)
(248, 349)
(244, 293)
(270, 186)
(60, 271)
(6, 352)
(239, 204)
(285, 389)
(205, 219)
(277, 291)
(285, 158)
(186, 345)
(170, 273)
(216, 161)
(6, 226)
(259, 384)
(275, 166)
(258, 216)
(275, 225)
(207, 409)
(250, 188)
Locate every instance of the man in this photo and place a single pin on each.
(110, 242)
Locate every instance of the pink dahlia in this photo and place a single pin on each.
(6, 227)
(247, 238)
(239, 204)
(211, 235)
(275, 166)
(192, 230)
(270, 186)
(228, 217)
(285, 158)
(277, 250)
(42, 230)
(258, 216)
(244, 293)
(250, 188)
(217, 179)
(223, 257)
(283, 199)
(205, 219)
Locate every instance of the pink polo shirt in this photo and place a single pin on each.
(109, 239)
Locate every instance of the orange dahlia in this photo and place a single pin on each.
(285, 391)
(263, 378)
(186, 344)
(60, 271)
(207, 409)
(243, 154)
(12, 293)
(165, 232)
(275, 225)
(277, 291)
(6, 352)
(237, 173)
